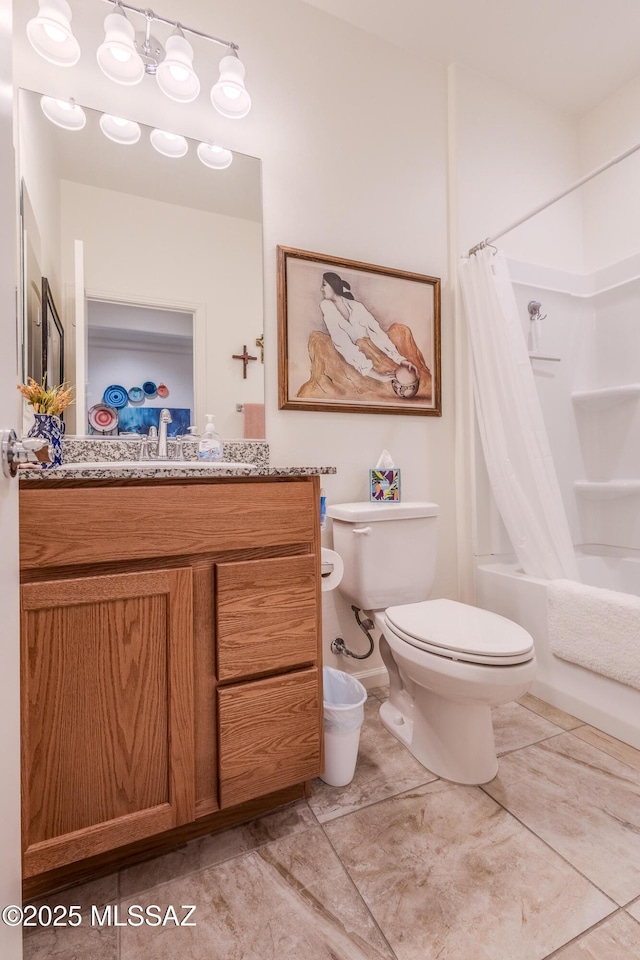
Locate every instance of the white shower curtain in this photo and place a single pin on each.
(514, 439)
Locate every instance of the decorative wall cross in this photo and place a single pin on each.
(245, 357)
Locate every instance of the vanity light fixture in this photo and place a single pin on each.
(229, 95)
(168, 144)
(120, 130)
(175, 75)
(50, 33)
(64, 113)
(117, 55)
(213, 156)
(125, 55)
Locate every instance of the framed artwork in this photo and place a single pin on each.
(357, 338)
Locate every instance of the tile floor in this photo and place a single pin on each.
(543, 862)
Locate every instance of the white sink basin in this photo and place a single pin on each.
(138, 465)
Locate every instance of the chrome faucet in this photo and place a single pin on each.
(163, 451)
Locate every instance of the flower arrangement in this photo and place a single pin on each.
(43, 399)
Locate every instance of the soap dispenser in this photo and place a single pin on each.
(210, 446)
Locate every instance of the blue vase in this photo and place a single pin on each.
(50, 428)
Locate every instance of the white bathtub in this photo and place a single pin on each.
(606, 704)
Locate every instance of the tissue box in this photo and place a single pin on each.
(384, 484)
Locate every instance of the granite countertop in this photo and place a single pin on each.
(168, 472)
(83, 459)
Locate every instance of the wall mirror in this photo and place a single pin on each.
(154, 270)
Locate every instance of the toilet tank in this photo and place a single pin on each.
(388, 550)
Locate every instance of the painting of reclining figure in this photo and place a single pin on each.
(357, 337)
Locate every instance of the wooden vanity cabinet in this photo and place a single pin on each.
(170, 668)
(107, 716)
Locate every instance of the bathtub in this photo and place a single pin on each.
(598, 700)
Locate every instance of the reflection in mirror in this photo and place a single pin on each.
(52, 338)
(155, 266)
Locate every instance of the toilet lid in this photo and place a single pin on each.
(461, 632)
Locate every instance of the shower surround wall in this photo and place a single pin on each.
(591, 398)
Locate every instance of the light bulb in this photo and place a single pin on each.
(178, 73)
(120, 54)
(54, 33)
(231, 92)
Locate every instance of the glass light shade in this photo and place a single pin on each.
(64, 113)
(50, 33)
(218, 158)
(175, 75)
(168, 144)
(117, 56)
(120, 130)
(229, 95)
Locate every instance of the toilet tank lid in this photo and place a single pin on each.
(364, 511)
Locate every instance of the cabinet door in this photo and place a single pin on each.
(266, 615)
(269, 735)
(107, 713)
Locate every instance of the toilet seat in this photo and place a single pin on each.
(459, 631)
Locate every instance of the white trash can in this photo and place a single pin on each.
(344, 698)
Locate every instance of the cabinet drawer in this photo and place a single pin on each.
(176, 520)
(270, 735)
(266, 615)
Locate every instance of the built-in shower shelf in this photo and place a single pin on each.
(606, 489)
(606, 396)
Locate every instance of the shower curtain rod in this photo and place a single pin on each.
(559, 196)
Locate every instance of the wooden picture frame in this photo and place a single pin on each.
(355, 337)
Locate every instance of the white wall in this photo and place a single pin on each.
(612, 200)
(165, 254)
(514, 153)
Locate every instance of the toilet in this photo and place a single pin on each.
(448, 662)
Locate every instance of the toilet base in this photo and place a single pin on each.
(453, 739)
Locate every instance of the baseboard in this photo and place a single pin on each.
(375, 677)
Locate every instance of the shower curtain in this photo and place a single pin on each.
(512, 431)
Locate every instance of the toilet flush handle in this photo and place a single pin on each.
(364, 531)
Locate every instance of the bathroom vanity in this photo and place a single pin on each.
(171, 678)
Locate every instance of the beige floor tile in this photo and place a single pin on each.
(385, 767)
(615, 748)
(89, 940)
(515, 727)
(634, 910)
(290, 900)
(449, 875)
(381, 693)
(216, 847)
(543, 709)
(583, 803)
(615, 939)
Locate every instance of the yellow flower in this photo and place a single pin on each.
(52, 400)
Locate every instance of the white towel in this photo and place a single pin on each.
(597, 628)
